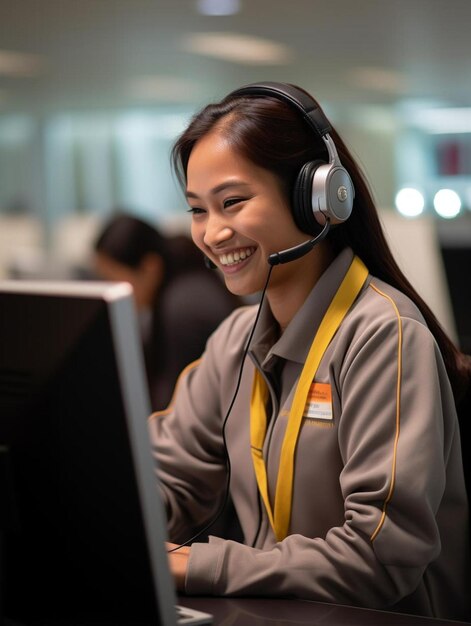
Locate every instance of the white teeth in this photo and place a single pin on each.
(236, 257)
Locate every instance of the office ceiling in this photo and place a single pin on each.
(76, 54)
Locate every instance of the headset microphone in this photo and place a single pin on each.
(296, 252)
(290, 254)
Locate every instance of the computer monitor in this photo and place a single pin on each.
(82, 524)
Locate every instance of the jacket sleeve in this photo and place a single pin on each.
(394, 447)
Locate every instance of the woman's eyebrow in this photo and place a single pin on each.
(219, 188)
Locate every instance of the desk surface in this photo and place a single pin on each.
(268, 612)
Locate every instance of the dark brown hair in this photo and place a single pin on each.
(272, 134)
(127, 239)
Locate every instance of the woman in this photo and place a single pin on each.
(341, 433)
(168, 281)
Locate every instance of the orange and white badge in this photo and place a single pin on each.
(319, 402)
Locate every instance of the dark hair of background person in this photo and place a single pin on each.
(272, 135)
(127, 240)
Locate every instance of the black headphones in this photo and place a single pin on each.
(322, 190)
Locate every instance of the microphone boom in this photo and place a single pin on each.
(296, 252)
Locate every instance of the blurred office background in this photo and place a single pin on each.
(93, 93)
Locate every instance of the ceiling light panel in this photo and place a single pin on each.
(163, 88)
(238, 48)
(20, 64)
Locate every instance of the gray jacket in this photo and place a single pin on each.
(379, 513)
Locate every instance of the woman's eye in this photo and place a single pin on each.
(195, 210)
(231, 201)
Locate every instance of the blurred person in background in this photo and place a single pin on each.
(179, 302)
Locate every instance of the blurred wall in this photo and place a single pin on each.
(414, 243)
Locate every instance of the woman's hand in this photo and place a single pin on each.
(178, 563)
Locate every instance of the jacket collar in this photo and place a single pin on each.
(294, 343)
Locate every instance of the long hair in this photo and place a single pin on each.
(272, 135)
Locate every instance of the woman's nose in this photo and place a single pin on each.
(217, 231)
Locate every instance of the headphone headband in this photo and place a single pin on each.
(290, 94)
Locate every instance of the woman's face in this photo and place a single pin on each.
(240, 215)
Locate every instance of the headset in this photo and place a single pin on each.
(323, 193)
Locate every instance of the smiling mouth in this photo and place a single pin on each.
(233, 258)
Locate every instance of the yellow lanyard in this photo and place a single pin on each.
(338, 308)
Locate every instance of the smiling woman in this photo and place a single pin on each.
(232, 201)
(338, 437)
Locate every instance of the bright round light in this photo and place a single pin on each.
(447, 203)
(410, 202)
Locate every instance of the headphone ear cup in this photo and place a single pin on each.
(303, 212)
